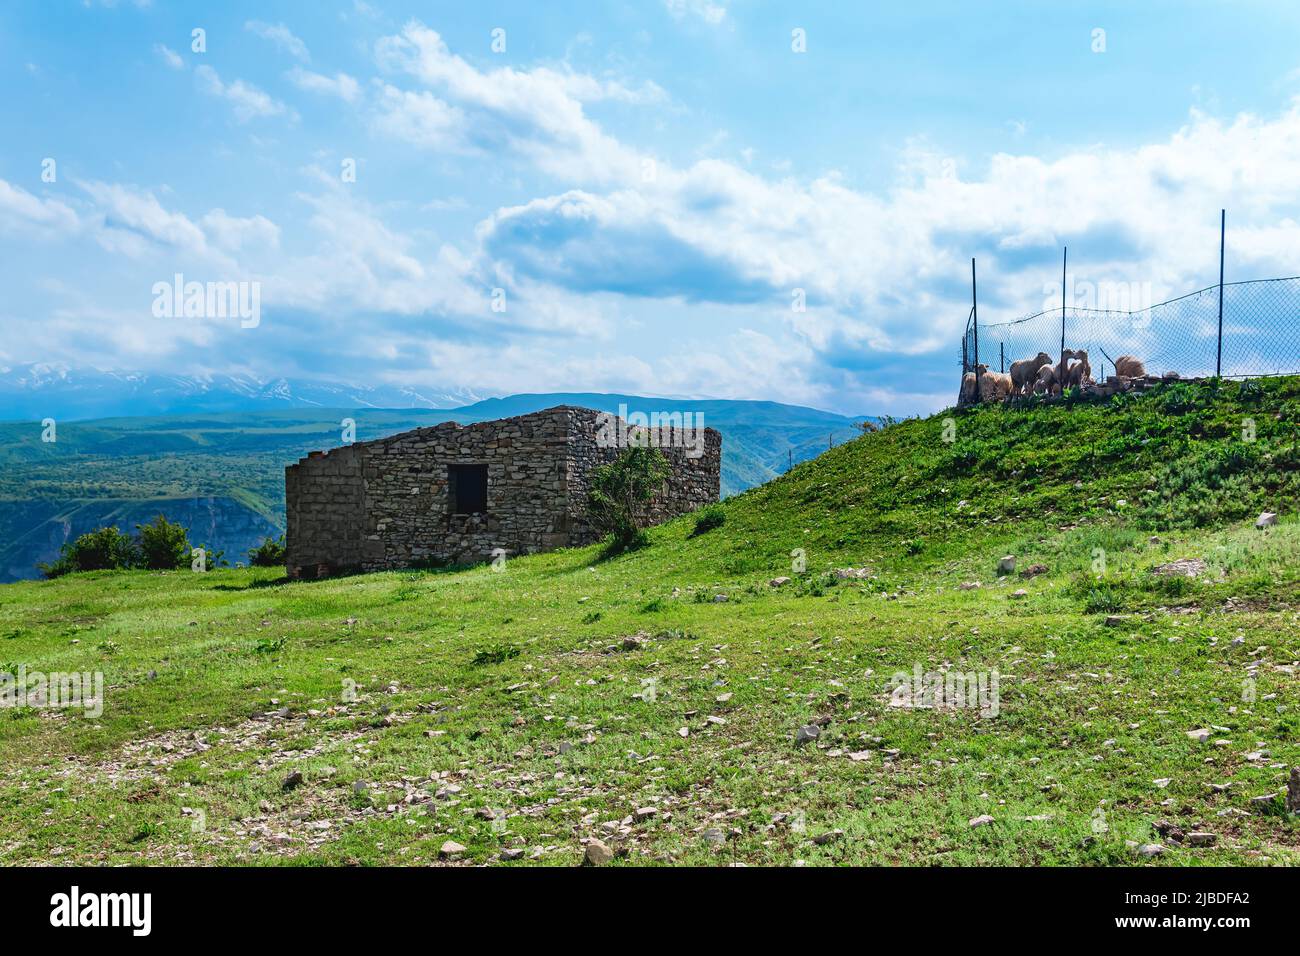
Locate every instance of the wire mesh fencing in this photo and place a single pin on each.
(1260, 334)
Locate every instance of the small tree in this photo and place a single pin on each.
(163, 545)
(268, 554)
(99, 550)
(621, 489)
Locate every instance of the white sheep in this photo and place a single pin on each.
(1079, 372)
(1126, 366)
(1025, 371)
(994, 386)
(1045, 384)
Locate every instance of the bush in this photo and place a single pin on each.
(163, 545)
(708, 518)
(268, 554)
(495, 654)
(99, 550)
(621, 489)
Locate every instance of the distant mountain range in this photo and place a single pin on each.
(37, 391)
(220, 472)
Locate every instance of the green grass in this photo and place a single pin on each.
(507, 710)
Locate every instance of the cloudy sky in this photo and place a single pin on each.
(652, 186)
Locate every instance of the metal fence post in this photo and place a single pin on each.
(1223, 228)
(975, 324)
(1065, 254)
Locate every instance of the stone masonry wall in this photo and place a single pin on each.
(692, 483)
(386, 504)
(324, 499)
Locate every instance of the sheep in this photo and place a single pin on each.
(1062, 368)
(1079, 372)
(994, 386)
(1024, 372)
(967, 394)
(1126, 366)
(1045, 383)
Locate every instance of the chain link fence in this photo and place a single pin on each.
(1261, 334)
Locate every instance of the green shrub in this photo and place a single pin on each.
(99, 550)
(268, 554)
(621, 489)
(163, 545)
(495, 654)
(709, 517)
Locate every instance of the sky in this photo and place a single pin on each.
(684, 198)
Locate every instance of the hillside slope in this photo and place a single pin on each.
(656, 701)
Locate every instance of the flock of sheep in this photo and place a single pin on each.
(1038, 376)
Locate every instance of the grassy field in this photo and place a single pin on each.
(576, 696)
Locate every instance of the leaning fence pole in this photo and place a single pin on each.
(1065, 254)
(1223, 228)
(975, 324)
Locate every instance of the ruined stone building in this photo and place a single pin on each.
(457, 493)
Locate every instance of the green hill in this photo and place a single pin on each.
(675, 705)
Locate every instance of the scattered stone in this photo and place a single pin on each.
(1263, 802)
(1201, 838)
(1115, 620)
(1149, 850)
(1019, 594)
(1007, 564)
(450, 850)
(293, 780)
(633, 642)
(807, 734)
(1266, 520)
(719, 599)
(778, 582)
(1200, 736)
(645, 813)
(1293, 791)
(722, 698)
(714, 835)
(852, 573)
(981, 821)
(513, 853)
(683, 732)
(857, 756)
(1183, 567)
(969, 586)
(1162, 782)
(598, 853)
(822, 839)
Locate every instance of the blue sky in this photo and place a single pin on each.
(649, 183)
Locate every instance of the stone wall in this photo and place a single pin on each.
(692, 483)
(386, 503)
(324, 500)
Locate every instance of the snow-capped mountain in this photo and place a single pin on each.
(36, 391)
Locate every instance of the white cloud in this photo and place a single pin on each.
(282, 37)
(169, 56)
(710, 11)
(340, 84)
(128, 216)
(246, 100)
(21, 212)
(537, 114)
(235, 234)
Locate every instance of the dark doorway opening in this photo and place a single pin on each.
(467, 486)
